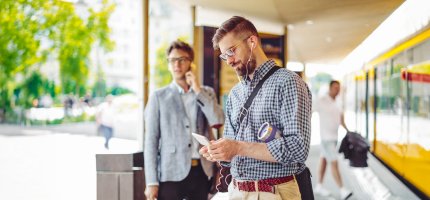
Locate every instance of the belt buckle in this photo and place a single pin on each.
(194, 162)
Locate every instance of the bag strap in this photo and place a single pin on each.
(244, 110)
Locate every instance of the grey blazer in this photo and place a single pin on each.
(167, 151)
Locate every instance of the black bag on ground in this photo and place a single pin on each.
(355, 148)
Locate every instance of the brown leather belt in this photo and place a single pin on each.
(265, 185)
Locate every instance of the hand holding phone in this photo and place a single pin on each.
(189, 78)
(192, 80)
(201, 139)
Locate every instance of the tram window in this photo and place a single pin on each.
(421, 52)
(400, 61)
(383, 89)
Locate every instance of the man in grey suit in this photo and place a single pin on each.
(174, 168)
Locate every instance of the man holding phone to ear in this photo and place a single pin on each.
(174, 168)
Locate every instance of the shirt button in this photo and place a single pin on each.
(189, 145)
(187, 126)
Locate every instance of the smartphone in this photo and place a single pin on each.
(201, 139)
(187, 80)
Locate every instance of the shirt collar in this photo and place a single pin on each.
(180, 89)
(261, 71)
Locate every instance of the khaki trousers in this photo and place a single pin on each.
(284, 191)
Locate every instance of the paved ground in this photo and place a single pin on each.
(58, 163)
(46, 164)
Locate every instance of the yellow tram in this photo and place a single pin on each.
(389, 102)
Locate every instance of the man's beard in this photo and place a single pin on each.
(242, 71)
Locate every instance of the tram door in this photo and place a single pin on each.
(370, 105)
(360, 103)
(392, 113)
(417, 155)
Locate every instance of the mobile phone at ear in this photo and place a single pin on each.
(190, 69)
(201, 139)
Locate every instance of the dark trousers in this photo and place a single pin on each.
(194, 187)
(107, 133)
(305, 184)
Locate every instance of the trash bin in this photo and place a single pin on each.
(120, 176)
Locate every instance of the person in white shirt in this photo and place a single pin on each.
(331, 116)
(105, 117)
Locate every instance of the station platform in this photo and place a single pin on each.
(375, 182)
(57, 163)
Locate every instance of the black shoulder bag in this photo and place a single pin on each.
(225, 177)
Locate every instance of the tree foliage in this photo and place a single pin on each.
(162, 75)
(33, 30)
(21, 32)
(34, 86)
(74, 38)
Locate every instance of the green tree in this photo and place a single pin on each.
(21, 32)
(74, 38)
(31, 88)
(117, 90)
(162, 75)
(30, 30)
(99, 88)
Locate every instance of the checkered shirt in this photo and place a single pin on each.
(285, 101)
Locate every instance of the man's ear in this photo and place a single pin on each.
(252, 41)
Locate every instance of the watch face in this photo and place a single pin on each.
(263, 129)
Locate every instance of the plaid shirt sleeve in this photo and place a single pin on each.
(293, 147)
(228, 127)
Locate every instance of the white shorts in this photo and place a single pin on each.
(329, 150)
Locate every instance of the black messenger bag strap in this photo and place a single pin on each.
(244, 110)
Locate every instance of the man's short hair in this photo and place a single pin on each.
(182, 46)
(237, 25)
(333, 82)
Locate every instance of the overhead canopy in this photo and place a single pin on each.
(319, 31)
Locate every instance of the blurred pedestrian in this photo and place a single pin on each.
(68, 105)
(331, 117)
(105, 116)
(87, 99)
